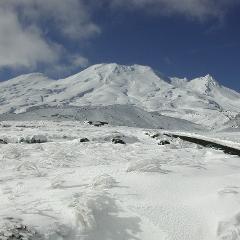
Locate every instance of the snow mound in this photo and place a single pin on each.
(229, 230)
(151, 165)
(33, 139)
(104, 182)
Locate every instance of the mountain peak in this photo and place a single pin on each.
(204, 85)
(209, 80)
(115, 67)
(107, 69)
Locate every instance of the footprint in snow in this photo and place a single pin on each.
(229, 190)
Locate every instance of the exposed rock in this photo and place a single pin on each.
(164, 142)
(155, 135)
(2, 141)
(18, 231)
(84, 140)
(96, 123)
(6, 125)
(99, 123)
(118, 141)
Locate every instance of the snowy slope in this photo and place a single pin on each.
(23, 91)
(234, 122)
(201, 100)
(115, 115)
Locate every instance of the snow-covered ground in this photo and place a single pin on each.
(97, 190)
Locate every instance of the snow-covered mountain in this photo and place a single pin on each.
(201, 100)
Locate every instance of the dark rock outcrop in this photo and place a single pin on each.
(84, 140)
(118, 141)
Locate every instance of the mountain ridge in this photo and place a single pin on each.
(109, 84)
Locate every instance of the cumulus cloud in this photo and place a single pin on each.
(22, 47)
(30, 29)
(71, 63)
(71, 18)
(25, 26)
(198, 9)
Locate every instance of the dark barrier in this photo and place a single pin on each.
(207, 143)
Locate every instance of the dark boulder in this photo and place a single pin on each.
(155, 135)
(118, 141)
(96, 123)
(99, 123)
(84, 140)
(164, 142)
(19, 231)
(2, 141)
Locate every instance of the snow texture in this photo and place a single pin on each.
(64, 189)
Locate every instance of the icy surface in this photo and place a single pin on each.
(96, 190)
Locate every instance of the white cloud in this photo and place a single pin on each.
(198, 9)
(70, 17)
(22, 47)
(25, 27)
(79, 61)
(71, 64)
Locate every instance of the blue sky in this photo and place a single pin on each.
(187, 38)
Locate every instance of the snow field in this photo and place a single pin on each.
(64, 189)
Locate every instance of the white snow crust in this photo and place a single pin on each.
(97, 190)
